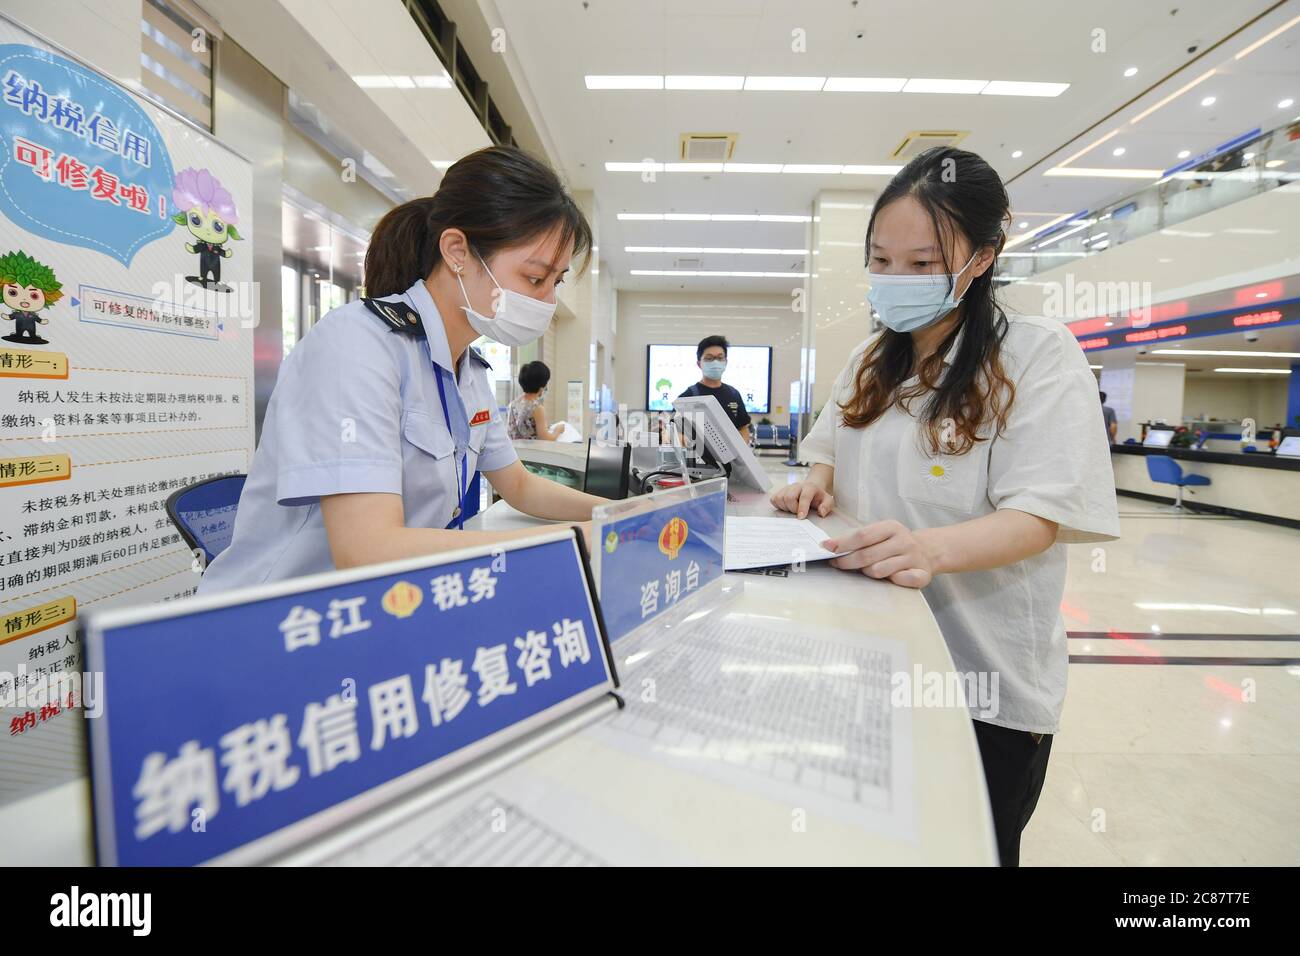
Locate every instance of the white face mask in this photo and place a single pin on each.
(519, 318)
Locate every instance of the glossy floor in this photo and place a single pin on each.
(1185, 750)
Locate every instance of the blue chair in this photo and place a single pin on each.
(204, 513)
(1163, 469)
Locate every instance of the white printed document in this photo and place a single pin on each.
(757, 542)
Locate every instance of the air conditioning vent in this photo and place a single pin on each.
(707, 147)
(918, 141)
(691, 265)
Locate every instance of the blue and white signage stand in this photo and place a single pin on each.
(237, 726)
(658, 550)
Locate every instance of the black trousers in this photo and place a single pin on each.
(1015, 764)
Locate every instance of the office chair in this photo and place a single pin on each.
(1163, 469)
(204, 513)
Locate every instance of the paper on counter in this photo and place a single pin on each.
(799, 714)
(568, 433)
(761, 541)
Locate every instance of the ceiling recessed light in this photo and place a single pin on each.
(1286, 104)
(752, 168)
(1118, 151)
(624, 82)
(1022, 225)
(1208, 101)
(716, 250)
(693, 273)
(860, 170)
(1103, 173)
(1015, 88)
(1131, 71)
(1017, 154)
(1184, 153)
(924, 85)
(1275, 163)
(864, 84)
(704, 82)
(644, 167)
(707, 217)
(1227, 352)
(785, 83)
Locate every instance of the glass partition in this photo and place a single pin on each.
(1238, 172)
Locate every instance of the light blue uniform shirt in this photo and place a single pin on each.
(356, 408)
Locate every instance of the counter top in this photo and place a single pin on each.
(697, 810)
(725, 825)
(1246, 459)
(1259, 487)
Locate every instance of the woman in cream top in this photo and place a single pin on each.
(969, 446)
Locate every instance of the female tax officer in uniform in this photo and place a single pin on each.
(967, 444)
(383, 413)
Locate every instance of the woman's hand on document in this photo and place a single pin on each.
(802, 497)
(884, 549)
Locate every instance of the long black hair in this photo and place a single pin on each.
(963, 196)
(498, 196)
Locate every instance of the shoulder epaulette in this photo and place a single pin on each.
(478, 357)
(398, 316)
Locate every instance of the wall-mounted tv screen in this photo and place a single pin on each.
(671, 369)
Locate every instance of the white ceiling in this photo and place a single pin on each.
(317, 47)
(1285, 339)
(557, 42)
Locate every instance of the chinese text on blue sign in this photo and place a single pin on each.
(655, 558)
(229, 723)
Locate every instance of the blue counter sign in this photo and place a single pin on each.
(230, 720)
(660, 555)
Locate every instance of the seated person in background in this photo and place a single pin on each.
(711, 357)
(527, 417)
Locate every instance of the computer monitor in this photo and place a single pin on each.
(608, 469)
(1158, 438)
(707, 427)
(1289, 448)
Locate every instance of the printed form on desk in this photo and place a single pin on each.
(761, 541)
(798, 714)
(734, 717)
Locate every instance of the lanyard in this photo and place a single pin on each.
(458, 517)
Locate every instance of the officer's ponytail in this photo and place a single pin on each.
(499, 196)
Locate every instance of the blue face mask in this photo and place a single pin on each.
(908, 303)
(713, 370)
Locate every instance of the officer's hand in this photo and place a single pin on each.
(189, 248)
(803, 496)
